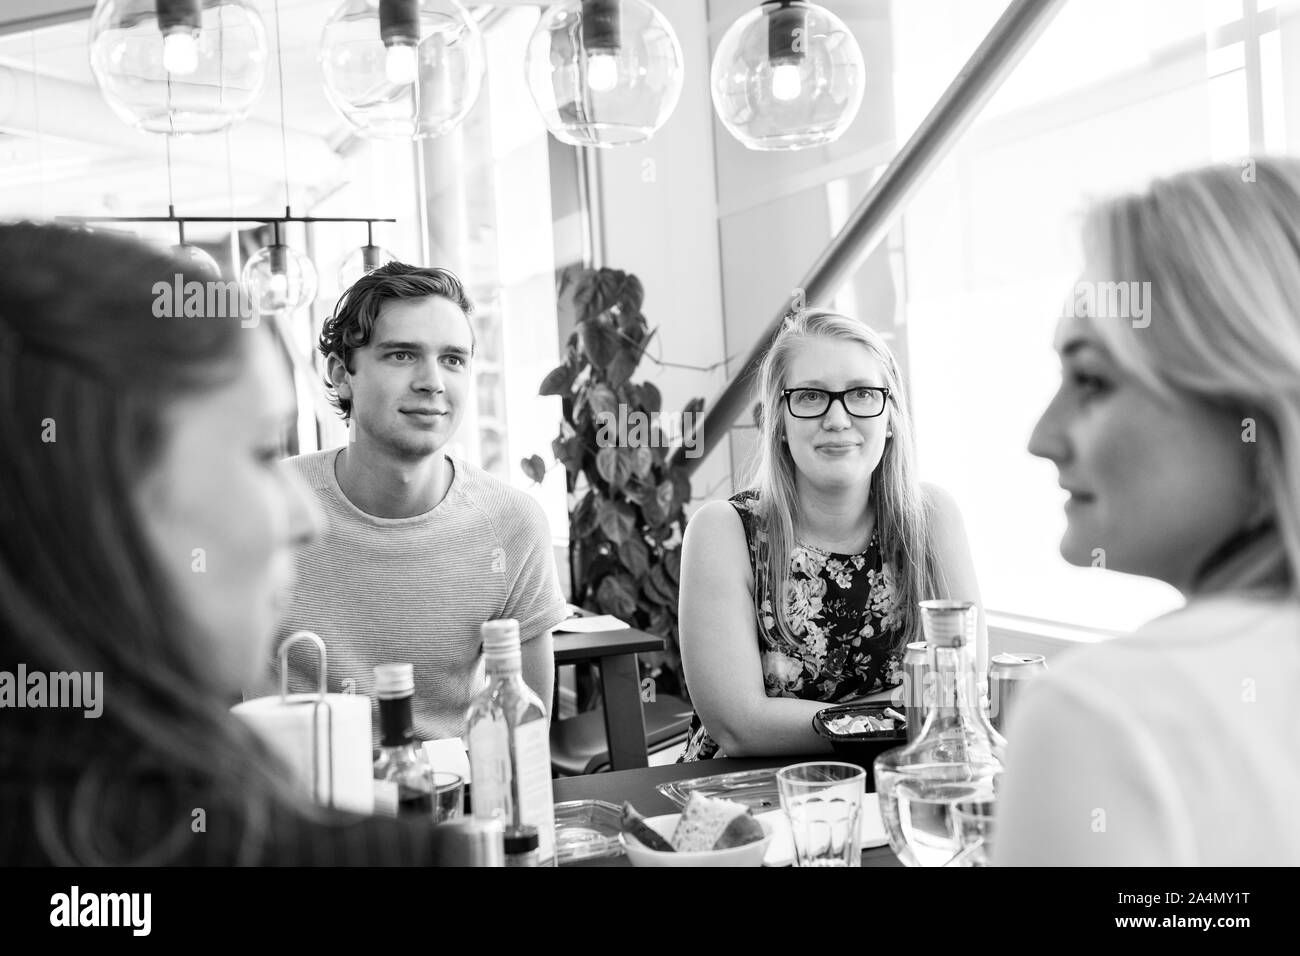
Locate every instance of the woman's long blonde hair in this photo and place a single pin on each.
(902, 521)
(1220, 247)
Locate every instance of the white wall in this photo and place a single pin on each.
(660, 219)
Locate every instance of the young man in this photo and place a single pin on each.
(420, 548)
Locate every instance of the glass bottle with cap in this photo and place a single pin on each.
(404, 783)
(510, 744)
(937, 792)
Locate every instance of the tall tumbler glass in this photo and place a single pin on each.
(823, 802)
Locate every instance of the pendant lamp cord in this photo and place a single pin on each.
(284, 136)
(40, 138)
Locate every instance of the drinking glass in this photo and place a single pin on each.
(918, 804)
(972, 827)
(823, 801)
(449, 796)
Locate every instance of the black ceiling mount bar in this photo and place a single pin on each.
(977, 81)
(232, 219)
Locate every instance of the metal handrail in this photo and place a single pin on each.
(998, 53)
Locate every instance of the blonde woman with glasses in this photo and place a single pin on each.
(802, 591)
(1177, 438)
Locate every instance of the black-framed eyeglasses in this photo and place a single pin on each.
(864, 401)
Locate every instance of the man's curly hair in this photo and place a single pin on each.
(353, 321)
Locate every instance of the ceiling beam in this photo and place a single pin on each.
(19, 15)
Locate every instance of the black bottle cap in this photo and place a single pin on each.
(522, 839)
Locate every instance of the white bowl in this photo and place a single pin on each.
(751, 854)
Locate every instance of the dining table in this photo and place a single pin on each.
(614, 652)
(638, 787)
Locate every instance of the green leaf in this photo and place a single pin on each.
(664, 496)
(557, 382)
(615, 466)
(601, 398)
(635, 556)
(672, 563)
(667, 588)
(617, 595)
(584, 516)
(607, 465)
(617, 523)
(662, 622)
(681, 488)
(631, 291)
(659, 589)
(598, 340)
(654, 514)
(643, 460)
(622, 365)
(534, 468)
(609, 287)
(650, 397)
(581, 412)
(632, 326)
(568, 452)
(635, 491)
(584, 292)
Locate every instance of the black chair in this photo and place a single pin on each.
(579, 744)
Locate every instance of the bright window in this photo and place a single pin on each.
(1113, 94)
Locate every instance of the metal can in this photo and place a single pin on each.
(469, 841)
(1007, 676)
(915, 667)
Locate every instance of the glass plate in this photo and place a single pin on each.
(586, 830)
(755, 789)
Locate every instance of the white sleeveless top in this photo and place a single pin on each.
(1176, 746)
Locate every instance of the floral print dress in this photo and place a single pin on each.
(845, 622)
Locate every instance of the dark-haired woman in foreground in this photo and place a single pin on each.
(149, 535)
(1177, 437)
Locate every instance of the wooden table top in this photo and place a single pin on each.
(575, 648)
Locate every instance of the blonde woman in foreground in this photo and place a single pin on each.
(1179, 444)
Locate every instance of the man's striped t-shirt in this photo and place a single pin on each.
(416, 590)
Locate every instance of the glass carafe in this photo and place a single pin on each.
(949, 773)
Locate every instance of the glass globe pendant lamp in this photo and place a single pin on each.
(192, 258)
(402, 69)
(197, 260)
(277, 279)
(363, 261)
(178, 66)
(787, 75)
(604, 72)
